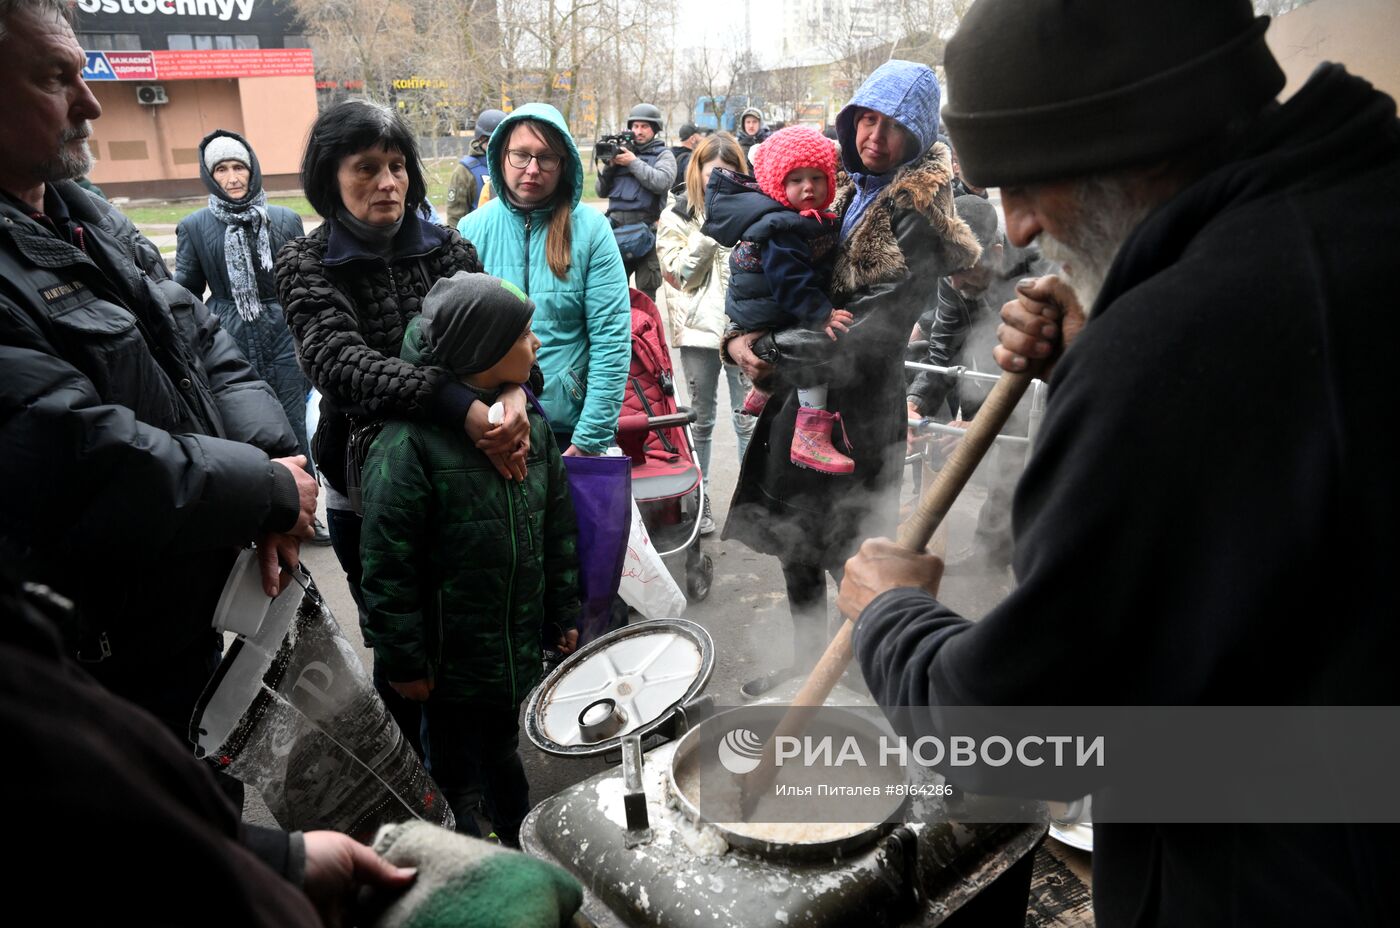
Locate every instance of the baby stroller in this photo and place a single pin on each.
(655, 433)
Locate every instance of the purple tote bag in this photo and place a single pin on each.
(601, 488)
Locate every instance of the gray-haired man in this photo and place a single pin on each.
(138, 450)
(1209, 516)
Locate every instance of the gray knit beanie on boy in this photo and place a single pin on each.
(472, 320)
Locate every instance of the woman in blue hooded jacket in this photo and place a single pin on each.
(537, 235)
(899, 235)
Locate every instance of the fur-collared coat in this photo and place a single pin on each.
(908, 238)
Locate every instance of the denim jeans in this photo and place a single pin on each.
(344, 527)
(473, 755)
(701, 367)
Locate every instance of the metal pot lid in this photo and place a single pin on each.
(644, 670)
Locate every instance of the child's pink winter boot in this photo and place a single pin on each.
(754, 402)
(811, 443)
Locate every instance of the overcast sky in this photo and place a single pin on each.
(714, 22)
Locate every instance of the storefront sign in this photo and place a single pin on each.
(238, 62)
(154, 22)
(223, 10)
(198, 65)
(419, 83)
(120, 66)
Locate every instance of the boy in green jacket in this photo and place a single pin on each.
(466, 573)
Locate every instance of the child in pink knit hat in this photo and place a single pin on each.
(784, 243)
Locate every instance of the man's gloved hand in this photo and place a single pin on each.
(466, 881)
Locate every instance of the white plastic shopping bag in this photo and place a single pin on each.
(647, 585)
(293, 713)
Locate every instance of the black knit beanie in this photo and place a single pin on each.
(1054, 89)
(471, 320)
(981, 218)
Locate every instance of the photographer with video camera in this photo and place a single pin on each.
(636, 172)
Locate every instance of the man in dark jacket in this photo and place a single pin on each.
(752, 131)
(690, 136)
(136, 445)
(90, 764)
(1208, 518)
(636, 184)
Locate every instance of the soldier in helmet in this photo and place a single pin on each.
(470, 175)
(636, 183)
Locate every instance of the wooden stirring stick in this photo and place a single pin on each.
(935, 504)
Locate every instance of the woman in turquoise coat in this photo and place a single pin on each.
(537, 235)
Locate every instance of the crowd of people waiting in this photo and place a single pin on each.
(148, 434)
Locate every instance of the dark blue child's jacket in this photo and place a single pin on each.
(780, 267)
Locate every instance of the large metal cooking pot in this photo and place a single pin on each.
(693, 771)
(645, 862)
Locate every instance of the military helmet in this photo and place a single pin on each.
(487, 122)
(645, 112)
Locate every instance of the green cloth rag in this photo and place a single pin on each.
(467, 881)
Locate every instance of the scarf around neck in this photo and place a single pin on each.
(378, 239)
(868, 187)
(246, 215)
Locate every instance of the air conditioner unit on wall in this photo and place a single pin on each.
(151, 94)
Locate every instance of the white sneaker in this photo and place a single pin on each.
(707, 521)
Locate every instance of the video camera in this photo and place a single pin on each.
(608, 146)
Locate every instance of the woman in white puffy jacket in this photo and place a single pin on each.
(698, 267)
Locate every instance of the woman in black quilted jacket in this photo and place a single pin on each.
(350, 288)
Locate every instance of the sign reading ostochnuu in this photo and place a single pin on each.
(223, 10)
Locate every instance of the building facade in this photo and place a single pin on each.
(168, 72)
(815, 30)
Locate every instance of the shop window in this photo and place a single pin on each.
(295, 40)
(110, 41)
(180, 41)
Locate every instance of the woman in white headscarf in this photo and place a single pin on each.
(228, 247)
